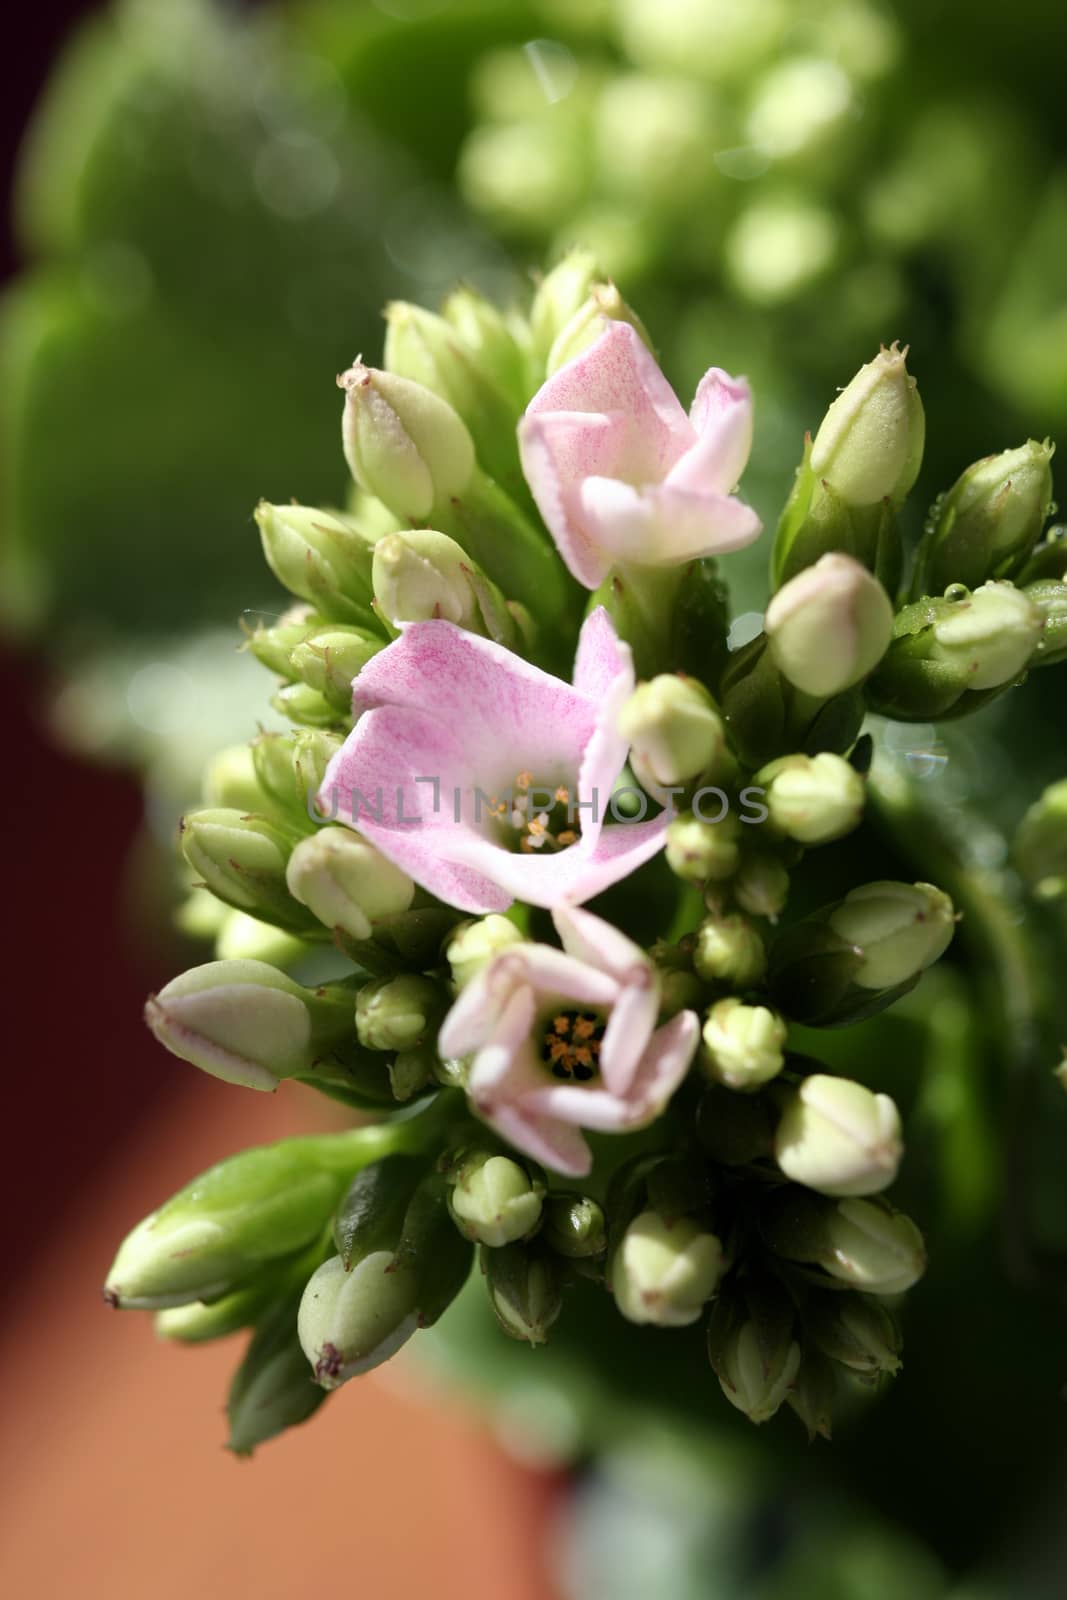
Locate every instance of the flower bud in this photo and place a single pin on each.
(196, 1323)
(251, 1210)
(752, 1348)
(345, 882)
(292, 767)
(743, 1045)
(574, 1226)
(813, 799)
(246, 1022)
(856, 1330)
(473, 945)
(1048, 559)
(421, 575)
(524, 1290)
(837, 1137)
(988, 522)
(330, 658)
(230, 781)
(1041, 843)
(273, 646)
(243, 938)
(728, 949)
(242, 859)
(403, 443)
(560, 295)
(870, 443)
(664, 1272)
(898, 930)
(674, 730)
(349, 1322)
(494, 1201)
(490, 342)
(270, 1390)
(829, 626)
(319, 556)
(700, 851)
(812, 1395)
(604, 304)
(761, 885)
(1049, 595)
(862, 1243)
(398, 1013)
(307, 707)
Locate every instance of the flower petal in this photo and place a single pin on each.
(663, 525)
(602, 657)
(629, 1029)
(506, 1056)
(554, 1144)
(557, 451)
(721, 415)
(666, 1060)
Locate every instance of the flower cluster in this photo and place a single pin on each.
(402, 880)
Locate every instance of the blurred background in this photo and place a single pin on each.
(209, 205)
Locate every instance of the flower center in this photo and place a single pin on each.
(570, 1045)
(535, 816)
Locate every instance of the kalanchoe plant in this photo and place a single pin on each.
(472, 760)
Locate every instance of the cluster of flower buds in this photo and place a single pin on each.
(401, 878)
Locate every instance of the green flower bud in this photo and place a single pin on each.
(674, 730)
(813, 799)
(270, 1390)
(946, 651)
(812, 1395)
(398, 1013)
(761, 885)
(403, 443)
(734, 1129)
(829, 626)
(574, 1226)
(329, 659)
(700, 851)
(307, 707)
(856, 1330)
(244, 938)
(604, 304)
(1049, 595)
(490, 342)
(524, 1290)
(664, 1272)
(860, 1243)
(251, 1210)
(898, 930)
(679, 991)
(319, 556)
(753, 1351)
(869, 445)
(292, 768)
(1048, 560)
(246, 1022)
(494, 1201)
(560, 296)
(988, 522)
(274, 646)
(473, 945)
(728, 949)
(421, 574)
(1041, 843)
(230, 781)
(370, 1215)
(837, 1137)
(197, 1323)
(345, 882)
(412, 1071)
(350, 1322)
(743, 1045)
(242, 860)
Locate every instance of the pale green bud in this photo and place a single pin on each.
(813, 799)
(403, 443)
(837, 1137)
(524, 1290)
(870, 443)
(605, 304)
(560, 295)
(1041, 843)
(345, 882)
(812, 1395)
(197, 1323)
(421, 575)
(494, 1201)
(492, 343)
(989, 521)
(398, 1013)
(665, 1272)
(242, 859)
(761, 885)
(246, 1022)
(273, 646)
(1049, 595)
(574, 1226)
(744, 1045)
(700, 851)
(754, 1352)
(473, 945)
(319, 556)
(230, 781)
(728, 949)
(307, 707)
(352, 1321)
(870, 1246)
(856, 1330)
(674, 730)
(329, 659)
(900, 929)
(292, 767)
(270, 1390)
(244, 938)
(829, 626)
(990, 636)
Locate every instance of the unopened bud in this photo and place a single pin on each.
(319, 556)
(231, 783)
(862, 1243)
(753, 1350)
(574, 1226)
(560, 295)
(988, 522)
(292, 767)
(604, 304)
(700, 851)
(1049, 595)
(398, 1013)
(494, 1201)
(898, 929)
(1041, 843)
(270, 1390)
(403, 443)
(241, 858)
(813, 799)
(524, 1290)
(474, 944)
(856, 1330)
(743, 1045)
(812, 1395)
(829, 626)
(490, 342)
(761, 885)
(329, 659)
(728, 949)
(273, 646)
(870, 443)
(837, 1137)
(345, 882)
(665, 1272)
(352, 1321)
(674, 730)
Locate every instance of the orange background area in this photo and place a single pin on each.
(113, 1479)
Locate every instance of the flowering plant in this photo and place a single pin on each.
(629, 1098)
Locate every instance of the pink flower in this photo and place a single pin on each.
(486, 779)
(621, 474)
(567, 1039)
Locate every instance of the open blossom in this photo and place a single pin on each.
(621, 474)
(486, 779)
(567, 1039)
